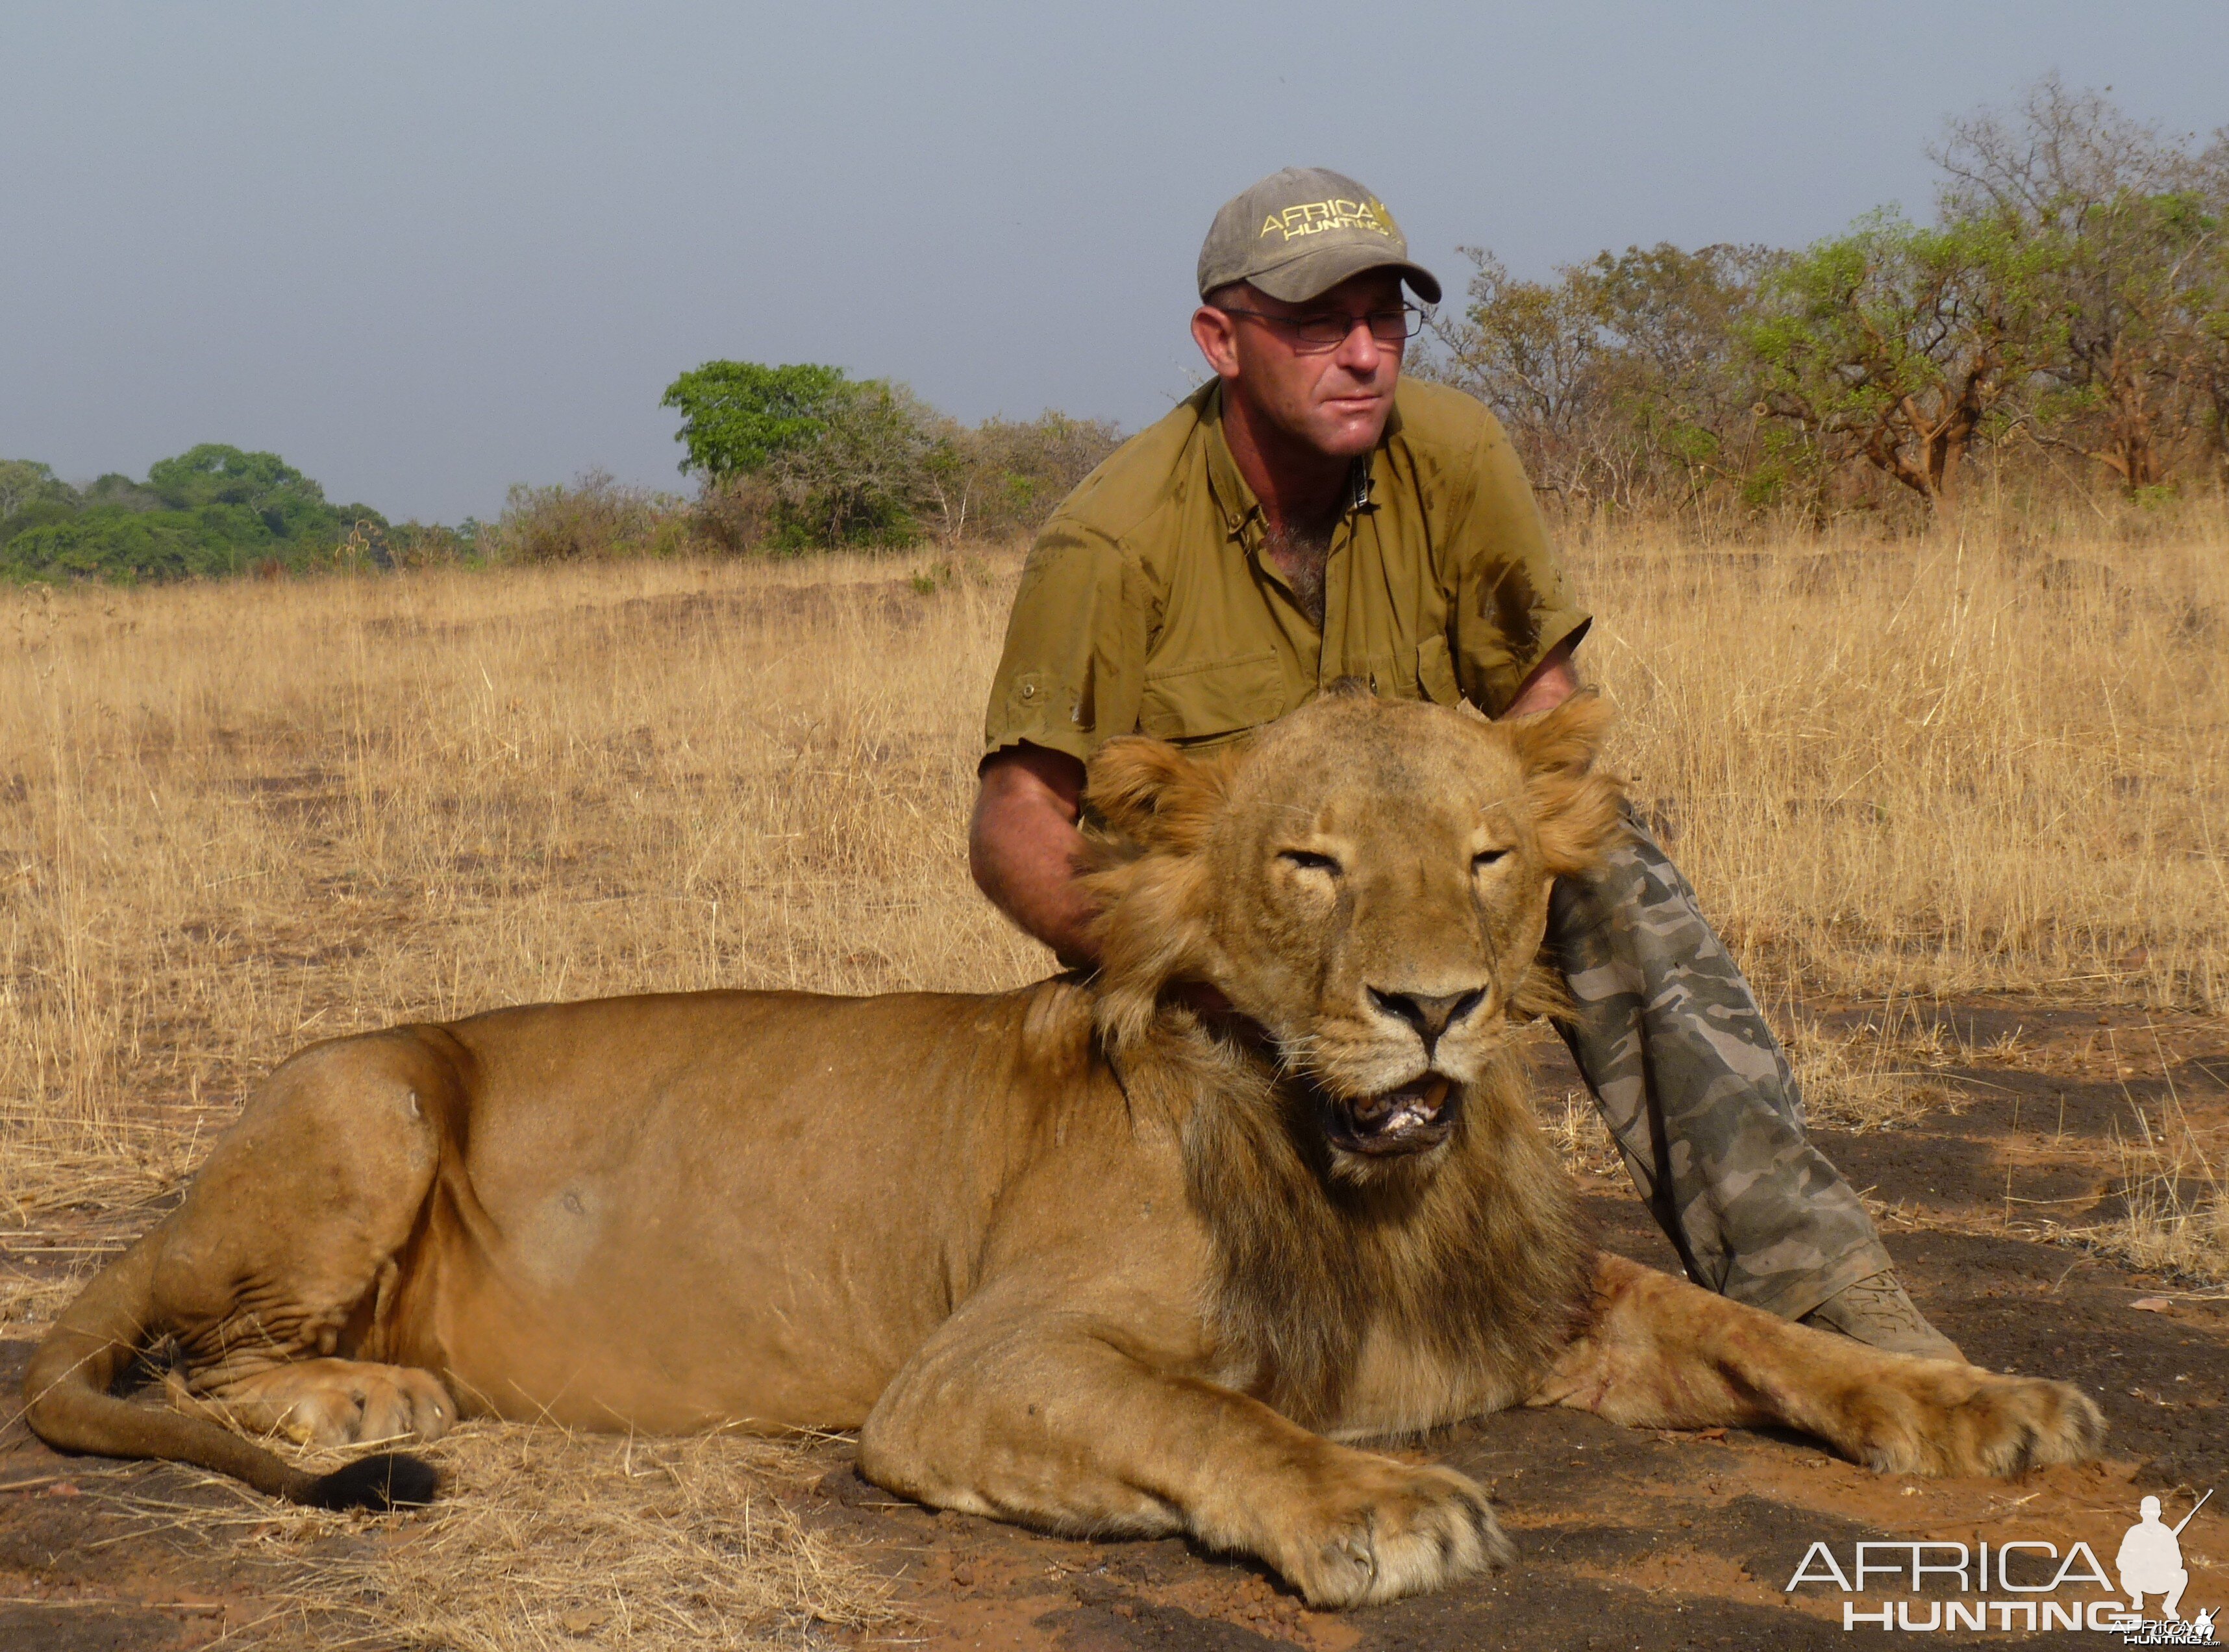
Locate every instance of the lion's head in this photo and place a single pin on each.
(1366, 881)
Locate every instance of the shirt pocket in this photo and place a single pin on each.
(1214, 698)
(1436, 671)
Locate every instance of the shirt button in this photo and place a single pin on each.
(1029, 691)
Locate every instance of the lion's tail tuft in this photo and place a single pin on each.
(390, 1480)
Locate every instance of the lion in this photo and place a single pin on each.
(1086, 1256)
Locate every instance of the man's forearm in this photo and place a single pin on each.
(1023, 845)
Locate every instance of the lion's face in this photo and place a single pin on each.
(1368, 882)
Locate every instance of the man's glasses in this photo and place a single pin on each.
(1316, 333)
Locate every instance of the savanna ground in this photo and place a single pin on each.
(1963, 807)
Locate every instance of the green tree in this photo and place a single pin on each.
(213, 510)
(738, 417)
(1900, 346)
(26, 483)
(125, 545)
(2132, 227)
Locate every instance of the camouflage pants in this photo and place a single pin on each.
(1696, 1091)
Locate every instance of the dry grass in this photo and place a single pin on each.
(2177, 1219)
(1575, 1125)
(551, 1540)
(1932, 770)
(2175, 1194)
(236, 819)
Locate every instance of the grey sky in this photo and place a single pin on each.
(428, 250)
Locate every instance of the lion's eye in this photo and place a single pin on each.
(1309, 860)
(1485, 857)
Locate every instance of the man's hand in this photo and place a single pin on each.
(1552, 682)
(1023, 845)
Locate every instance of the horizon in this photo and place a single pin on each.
(428, 253)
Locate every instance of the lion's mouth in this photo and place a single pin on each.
(1418, 1116)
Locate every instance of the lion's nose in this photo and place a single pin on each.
(1431, 1015)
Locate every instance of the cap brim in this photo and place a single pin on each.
(1314, 274)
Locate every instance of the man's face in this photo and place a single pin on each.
(1334, 401)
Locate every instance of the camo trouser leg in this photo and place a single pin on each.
(1696, 1091)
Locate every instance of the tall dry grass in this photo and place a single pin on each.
(235, 819)
(1937, 768)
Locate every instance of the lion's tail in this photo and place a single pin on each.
(68, 1403)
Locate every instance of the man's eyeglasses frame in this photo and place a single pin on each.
(1317, 334)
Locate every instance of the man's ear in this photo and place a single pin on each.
(1148, 792)
(1575, 801)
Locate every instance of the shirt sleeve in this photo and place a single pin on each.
(1070, 673)
(1512, 602)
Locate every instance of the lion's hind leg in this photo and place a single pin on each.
(1660, 1352)
(276, 1268)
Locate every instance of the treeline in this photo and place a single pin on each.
(2061, 325)
(801, 457)
(211, 511)
(789, 460)
(2062, 322)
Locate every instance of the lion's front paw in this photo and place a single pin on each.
(1941, 1418)
(1385, 1529)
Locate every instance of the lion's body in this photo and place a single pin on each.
(1068, 1255)
(745, 1187)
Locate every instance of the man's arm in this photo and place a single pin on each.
(1022, 843)
(1514, 623)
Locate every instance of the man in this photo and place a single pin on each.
(1309, 515)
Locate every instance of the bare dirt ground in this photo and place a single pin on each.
(1628, 1539)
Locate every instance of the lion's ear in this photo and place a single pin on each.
(1575, 801)
(1151, 793)
(1566, 738)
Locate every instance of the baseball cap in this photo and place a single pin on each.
(1302, 231)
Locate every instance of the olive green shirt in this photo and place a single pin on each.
(1149, 603)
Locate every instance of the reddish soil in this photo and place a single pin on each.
(1629, 1539)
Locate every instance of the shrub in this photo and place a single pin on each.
(596, 517)
(1006, 477)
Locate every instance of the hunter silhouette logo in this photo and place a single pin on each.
(2150, 1560)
